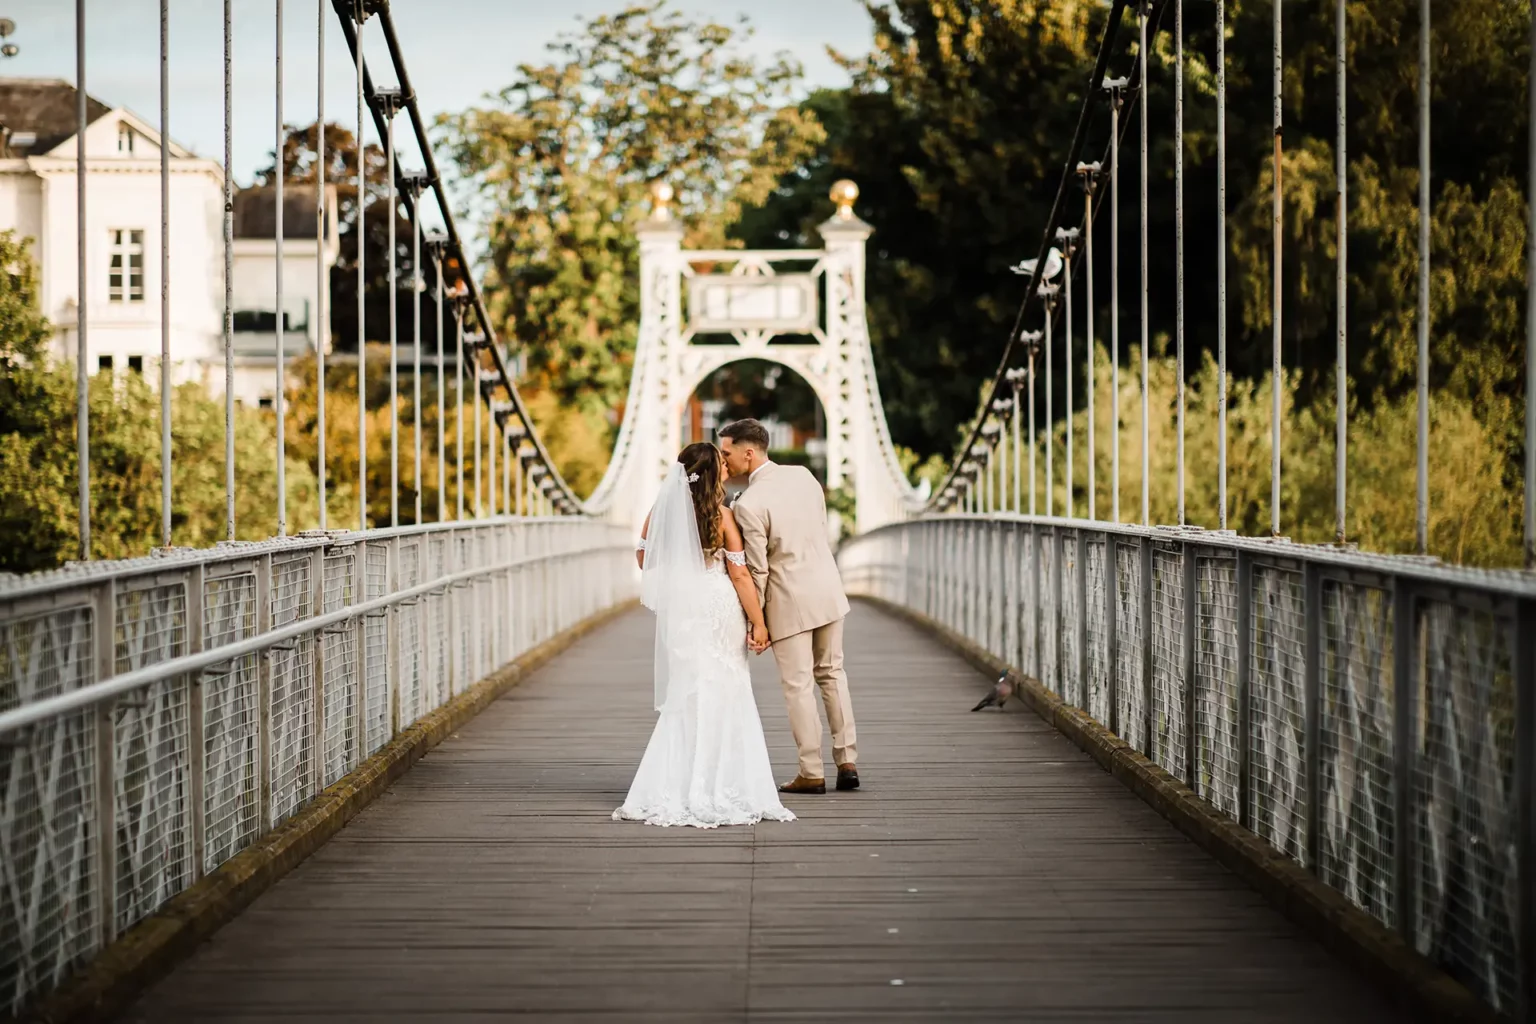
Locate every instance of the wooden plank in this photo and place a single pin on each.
(987, 866)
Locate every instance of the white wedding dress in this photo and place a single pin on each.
(707, 763)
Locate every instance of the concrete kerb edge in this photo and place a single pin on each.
(116, 976)
(1414, 983)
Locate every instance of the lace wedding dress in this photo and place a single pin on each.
(707, 763)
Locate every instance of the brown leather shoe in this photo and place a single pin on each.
(847, 777)
(801, 784)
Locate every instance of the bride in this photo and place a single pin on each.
(706, 763)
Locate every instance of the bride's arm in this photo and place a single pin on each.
(640, 548)
(741, 576)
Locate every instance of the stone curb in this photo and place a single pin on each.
(111, 981)
(1415, 984)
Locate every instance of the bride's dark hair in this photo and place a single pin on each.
(703, 461)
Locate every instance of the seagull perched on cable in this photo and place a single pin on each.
(1001, 691)
(1026, 268)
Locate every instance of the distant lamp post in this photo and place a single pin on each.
(9, 49)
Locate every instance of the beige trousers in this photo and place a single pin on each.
(815, 657)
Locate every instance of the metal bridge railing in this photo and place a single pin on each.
(1372, 718)
(158, 715)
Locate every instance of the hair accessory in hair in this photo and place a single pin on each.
(693, 478)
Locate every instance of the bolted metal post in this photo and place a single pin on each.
(458, 412)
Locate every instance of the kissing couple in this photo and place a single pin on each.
(723, 581)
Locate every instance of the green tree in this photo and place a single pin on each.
(563, 157)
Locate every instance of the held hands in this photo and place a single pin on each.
(757, 638)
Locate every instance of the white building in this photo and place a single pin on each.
(38, 199)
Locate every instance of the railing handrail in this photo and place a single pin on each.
(1509, 583)
(188, 664)
(73, 574)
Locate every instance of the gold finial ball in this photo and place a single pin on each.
(844, 193)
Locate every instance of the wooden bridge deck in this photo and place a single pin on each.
(987, 871)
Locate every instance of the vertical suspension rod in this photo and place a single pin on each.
(82, 377)
(1141, 109)
(1221, 265)
(1275, 383)
(165, 277)
(1341, 300)
(1421, 501)
(278, 395)
(322, 305)
(1178, 229)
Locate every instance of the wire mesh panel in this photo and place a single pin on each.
(1030, 591)
(1097, 682)
(340, 685)
(291, 706)
(1071, 615)
(48, 809)
(1356, 824)
(1045, 553)
(1129, 695)
(231, 722)
(409, 632)
(1168, 606)
(375, 651)
(1215, 682)
(464, 617)
(437, 623)
(1465, 824)
(150, 770)
(1277, 706)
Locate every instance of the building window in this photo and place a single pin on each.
(124, 140)
(136, 364)
(104, 364)
(125, 280)
(264, 403)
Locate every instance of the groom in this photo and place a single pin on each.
(783, 519)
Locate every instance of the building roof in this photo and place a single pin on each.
(256, 212)
(45, 107)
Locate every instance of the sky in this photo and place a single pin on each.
(455, 54)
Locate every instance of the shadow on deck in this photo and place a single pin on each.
(988, 870)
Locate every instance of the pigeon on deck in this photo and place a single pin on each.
(1001, 691)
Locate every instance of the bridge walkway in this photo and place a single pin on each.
(988, 871)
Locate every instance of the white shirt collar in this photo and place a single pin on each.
(753, 475)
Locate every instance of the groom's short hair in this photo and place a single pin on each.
(748, 432)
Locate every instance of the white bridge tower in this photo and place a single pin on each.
(741, 301)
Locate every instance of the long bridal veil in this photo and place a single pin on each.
(673, 584)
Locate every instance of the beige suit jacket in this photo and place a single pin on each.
(783, 520)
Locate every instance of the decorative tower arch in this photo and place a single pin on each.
(703, 309)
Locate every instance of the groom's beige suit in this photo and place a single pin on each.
(783, 520)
